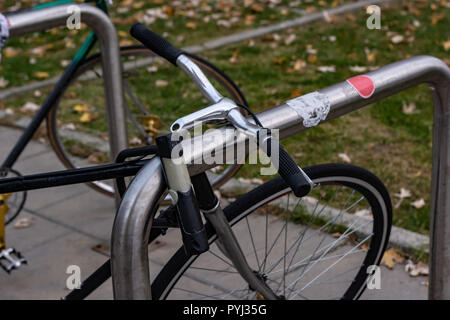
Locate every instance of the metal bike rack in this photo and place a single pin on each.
(131, 229)
(28, 21)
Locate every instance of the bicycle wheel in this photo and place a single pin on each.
(155, 96)
(316, 247)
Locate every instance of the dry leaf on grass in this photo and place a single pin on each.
(41, 75)
(446, 45)
(409, 108)
(87, 117)
(10, 52)
(418, 204)
(358, 68)
(327, 68)
(296, 93)
(3, 82)
(191, 25)
(391, 257)
(299, 65)
(397, 39)
(404, 193)
(81, 108)
(344, 157)
(289, 39)
(161, 83)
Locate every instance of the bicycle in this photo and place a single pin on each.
(230, 245)
(73, 147)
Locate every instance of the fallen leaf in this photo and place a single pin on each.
(409, 108)
(327, 68)
(446, 45)
(436, 17)
(191, 25)
(29, 107)
(296, 93)
(289, 39)
(235, 57)
(397, 39)
(418, 204)
(391, 257)
(3, 82)
(404, 193)
(256, 8)
(312, 58)
(65, 63)
(415, 270)
(87, 117)
(10, 52)
(152, 69)
(81, 108)
(23, 223)
(69, 126)
(344, 157)
(41, 75)
(358, 69)
(126, 42)
(161, 83)
(299, 65)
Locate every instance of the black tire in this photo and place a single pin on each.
(213, 71)
(16, 201)
(329, 175)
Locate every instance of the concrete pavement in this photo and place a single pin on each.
(66, 222)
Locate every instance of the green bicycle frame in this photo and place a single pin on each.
(77, 60)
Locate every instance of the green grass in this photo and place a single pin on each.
(394, 145)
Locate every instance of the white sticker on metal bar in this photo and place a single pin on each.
(4, 32)
(312, 107)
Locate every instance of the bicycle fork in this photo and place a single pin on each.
(190, 201)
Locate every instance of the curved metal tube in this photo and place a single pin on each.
(129, 243)
(33, 20)
(131, 229)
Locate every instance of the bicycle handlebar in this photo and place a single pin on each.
(288, 169)
(295, 177)
(156, 43)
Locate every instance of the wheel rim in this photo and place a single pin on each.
(306, 281)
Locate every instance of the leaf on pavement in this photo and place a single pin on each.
(391, 257)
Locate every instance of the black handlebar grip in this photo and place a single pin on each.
(292, 175)
(156, 43)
